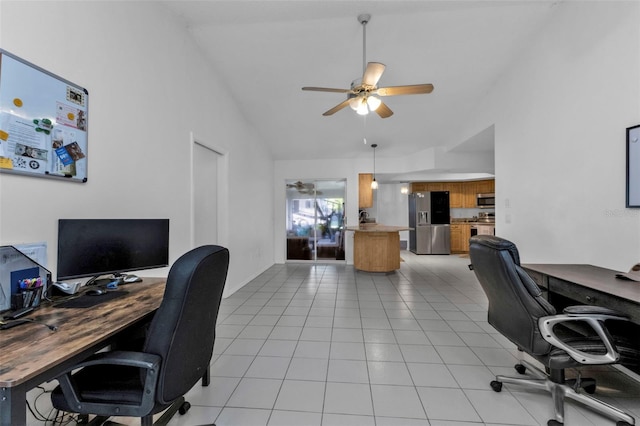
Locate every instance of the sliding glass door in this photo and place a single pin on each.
(315, 219)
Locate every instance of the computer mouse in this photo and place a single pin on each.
(95, 292)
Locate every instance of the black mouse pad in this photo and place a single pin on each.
(86, 301)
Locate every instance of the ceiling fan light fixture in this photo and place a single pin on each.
(362, 109)
(373, 103)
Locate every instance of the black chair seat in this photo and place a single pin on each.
(104, 383)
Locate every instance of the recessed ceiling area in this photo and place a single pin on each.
(266, 51)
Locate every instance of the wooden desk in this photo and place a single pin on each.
(32, 354)
(589, 285)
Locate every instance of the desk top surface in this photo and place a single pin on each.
(593, 277)
(32, 348)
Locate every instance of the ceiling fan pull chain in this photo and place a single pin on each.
(364, 129)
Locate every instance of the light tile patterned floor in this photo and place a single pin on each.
(325, 345)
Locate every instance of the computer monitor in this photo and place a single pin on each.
(95, 247)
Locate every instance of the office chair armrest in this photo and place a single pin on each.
(596, 322)
(594, 310)
(124, 358)
(149, 362)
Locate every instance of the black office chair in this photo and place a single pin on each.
(577, 337)
(175, 356)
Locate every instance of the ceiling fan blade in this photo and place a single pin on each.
(384, 111)
(372, 74)
(326, 89)
(337, 108)
(413, 89)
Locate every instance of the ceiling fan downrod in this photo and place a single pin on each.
(364, 20)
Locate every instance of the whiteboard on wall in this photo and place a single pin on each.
(633, 166)
(43, 122)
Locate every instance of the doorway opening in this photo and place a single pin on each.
(315, 213)
(209, 189)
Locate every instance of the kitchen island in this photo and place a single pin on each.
(376, 248)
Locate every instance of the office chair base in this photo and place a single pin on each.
(179, 406)
(560, 391)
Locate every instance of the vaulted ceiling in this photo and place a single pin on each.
(266, 51)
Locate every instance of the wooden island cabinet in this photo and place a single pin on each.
(376, 248)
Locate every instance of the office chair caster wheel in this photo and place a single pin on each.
(554, 423)
(184, 408)
(622, 423)
(521, 369)
(496, 385)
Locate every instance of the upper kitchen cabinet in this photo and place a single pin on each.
(455, 194)
(428, 186)
(485, 186)
(365, 193)
(418, 186)
(461, 194)
(468, 194)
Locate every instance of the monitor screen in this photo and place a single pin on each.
(94, 247)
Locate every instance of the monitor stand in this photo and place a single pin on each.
(97, 281)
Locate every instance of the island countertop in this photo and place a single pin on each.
(375, 227)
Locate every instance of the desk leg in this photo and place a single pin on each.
(13, 408)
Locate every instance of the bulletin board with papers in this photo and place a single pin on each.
(43, 122)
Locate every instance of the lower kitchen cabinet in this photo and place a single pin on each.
(460, 234)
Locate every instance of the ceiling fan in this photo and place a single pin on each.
(363, 96)
(303, 188)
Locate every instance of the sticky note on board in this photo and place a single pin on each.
(6, 163)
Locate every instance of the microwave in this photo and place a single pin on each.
(486, 201)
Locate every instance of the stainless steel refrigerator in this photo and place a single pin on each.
(429, 221)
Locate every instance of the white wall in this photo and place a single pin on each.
(149, 88)
(560, 115)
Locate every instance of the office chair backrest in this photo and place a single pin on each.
(182, 331)
(515, 301)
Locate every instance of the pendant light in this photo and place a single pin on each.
(374, 183)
